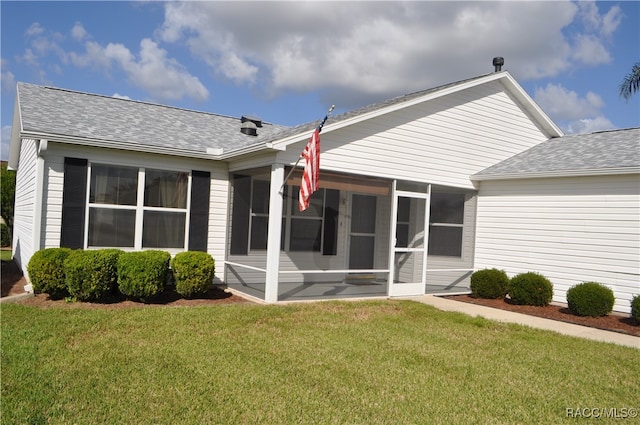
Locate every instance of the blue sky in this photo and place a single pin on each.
(287, 62)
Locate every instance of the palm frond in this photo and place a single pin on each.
(631, 82)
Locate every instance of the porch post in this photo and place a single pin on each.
(274, 234)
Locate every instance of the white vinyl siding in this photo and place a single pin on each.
(442, 141)
(25, 204)
(571, 230)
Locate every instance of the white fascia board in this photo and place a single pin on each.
(16, 130)
(109, 144)
(249, 149)
(559, 173)
(532, 107)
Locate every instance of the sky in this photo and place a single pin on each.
(288, 62)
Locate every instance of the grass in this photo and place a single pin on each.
(373, 362)
(5, 254)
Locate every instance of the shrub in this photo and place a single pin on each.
(590, 299)
(635, 308)
(92, 275)
(489, 283)
(193, 272)
(46, 271)
(5, 235)
(142, 274)
(530, 289)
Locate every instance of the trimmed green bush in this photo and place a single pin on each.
(590, 299)
(92, 275)
(142, 274)
(193, 272)
(635, 308)
(530, 289)
(5, 235)
(489, 283)
(46, 272)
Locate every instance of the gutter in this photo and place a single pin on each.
(559, 173)
(98, 143)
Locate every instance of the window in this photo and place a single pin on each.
(259, 214)
(446, 222)
(126, 214)
(305, 232)
(313, 230)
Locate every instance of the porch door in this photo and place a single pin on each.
(362, 232)
(408, 255)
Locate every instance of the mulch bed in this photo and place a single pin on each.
(13, 284)
(617, 322)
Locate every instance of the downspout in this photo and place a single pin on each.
(39, 192)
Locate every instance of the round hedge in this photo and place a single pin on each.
(46, 271)
(530, 289)
(590, 299)
(92, 275)
(635, 308)
(193, 273)
(142, 274)
(489, 283)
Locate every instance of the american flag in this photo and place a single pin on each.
(311, 174)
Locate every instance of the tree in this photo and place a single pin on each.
(631, 82)
(7, 195)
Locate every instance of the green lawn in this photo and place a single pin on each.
(374, 362)
(5, 255)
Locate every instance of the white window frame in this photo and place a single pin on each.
(139, 208)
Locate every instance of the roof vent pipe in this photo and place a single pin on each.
(498, 62)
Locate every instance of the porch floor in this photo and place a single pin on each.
(338, 290)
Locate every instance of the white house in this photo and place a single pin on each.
(416, 192)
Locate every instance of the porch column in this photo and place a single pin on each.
(274, 234)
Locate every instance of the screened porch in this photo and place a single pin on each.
(342, 245)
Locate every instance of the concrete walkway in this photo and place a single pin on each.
(532, 321)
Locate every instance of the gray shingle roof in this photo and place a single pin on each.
(56, 111)
(614, 150)
(74, 114)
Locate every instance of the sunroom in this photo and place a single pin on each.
(360, 237)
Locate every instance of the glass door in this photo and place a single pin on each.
(409, 252)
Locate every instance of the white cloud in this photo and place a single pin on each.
(34, 29)
(7, 78)
(5, 141)
(589, 125)
(120, 96)
(379, 49)
(78, 32)
(563, 104)
(574, 114)
(152, 70)
(590, 50)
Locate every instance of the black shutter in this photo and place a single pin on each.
(74, 198)
(240, 215)
(199, 214)
(331, 206)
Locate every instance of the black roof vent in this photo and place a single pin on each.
(250, 125)
(498, 62)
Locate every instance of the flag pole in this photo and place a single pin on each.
(300, 157)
